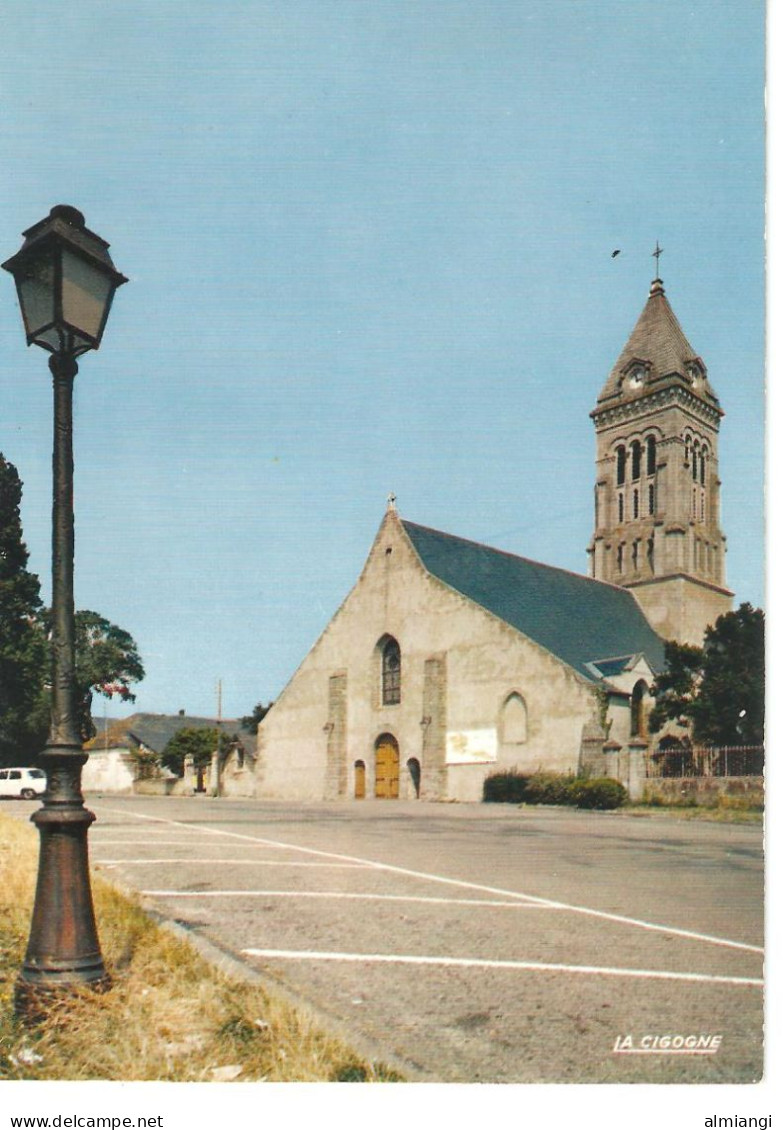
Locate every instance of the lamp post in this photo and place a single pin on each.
(65, 282)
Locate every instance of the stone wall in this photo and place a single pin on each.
(161, 786)
(704, 790)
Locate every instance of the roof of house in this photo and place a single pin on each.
(579, 620)
(657, 340)
(156, 730)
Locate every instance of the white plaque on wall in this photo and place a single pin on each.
(471, 747)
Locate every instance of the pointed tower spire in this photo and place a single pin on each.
(656, 354)
(657, 509)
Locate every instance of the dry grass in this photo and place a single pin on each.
(169, 1014)
(727, 810)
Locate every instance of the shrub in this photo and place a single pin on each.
(505, 788)
(550, 788)
(598, 792)
(553, 788)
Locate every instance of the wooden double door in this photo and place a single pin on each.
(387, 768)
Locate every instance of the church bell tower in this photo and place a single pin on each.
(657, 492)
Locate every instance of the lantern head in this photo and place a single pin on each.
(65, 281)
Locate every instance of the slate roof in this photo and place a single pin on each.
(579, 620)
(156, 730)
(658, 341)
(610, 668)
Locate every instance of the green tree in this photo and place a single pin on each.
(676, 688)
(107, 662)
(729, 708)
(250, 721)
(190, 741)
(107, 658)
(719, 688)
(23, 648)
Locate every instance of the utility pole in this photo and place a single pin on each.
(215, 790)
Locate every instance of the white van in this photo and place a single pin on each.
(25, 783)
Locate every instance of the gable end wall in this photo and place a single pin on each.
(459, 663)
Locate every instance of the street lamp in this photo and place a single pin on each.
(65, 281)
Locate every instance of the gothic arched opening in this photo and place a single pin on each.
(514, 720)
(638, 714)
(391, 671)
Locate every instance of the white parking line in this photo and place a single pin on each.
(480, 963)
(606, 916)
(342, 895)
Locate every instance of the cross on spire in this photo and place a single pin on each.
(656, 255)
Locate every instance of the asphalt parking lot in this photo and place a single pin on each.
(474, 943)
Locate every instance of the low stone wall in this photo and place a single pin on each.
(241, 784)
(157, 786)
(703, 790)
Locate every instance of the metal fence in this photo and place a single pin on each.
(706, 761)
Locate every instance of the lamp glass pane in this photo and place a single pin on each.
(35, 284)
(50, 339)
(87, 291)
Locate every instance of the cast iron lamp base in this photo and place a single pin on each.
(63, 952)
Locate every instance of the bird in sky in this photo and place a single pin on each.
(615, 253)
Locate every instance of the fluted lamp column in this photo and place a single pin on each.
(65, 282)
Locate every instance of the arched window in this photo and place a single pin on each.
(651, 455)
(636, 503)
(391, 670)
(636, 459)
(687, 451)
(620, 466)
(620, 508)
(638, 720)
(619, 559)
(651, 499)
(635, 555)
(702, 465)
(514, 720)
(651, 554)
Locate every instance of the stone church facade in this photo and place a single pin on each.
(450, 660)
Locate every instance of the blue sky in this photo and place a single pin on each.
(369, 250)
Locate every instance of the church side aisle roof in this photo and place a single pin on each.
(577, 619)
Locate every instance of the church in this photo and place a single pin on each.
(450, 661)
